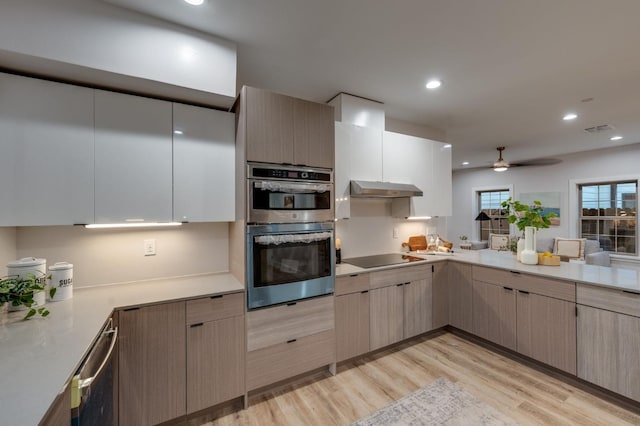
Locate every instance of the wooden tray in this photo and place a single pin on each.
(418, 242)
(549, 260)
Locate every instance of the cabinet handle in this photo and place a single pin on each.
(508, 288)
(515, 272)
(576, 310)
(291, 303)
(364, 291)
(433, 268)
(354, 275)
(523, 292)
(131, 309)
(199, 324)
(217, 296)
(291, 341)
(399, 285)
(631, 292)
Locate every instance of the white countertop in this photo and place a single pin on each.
(53, 347)
(612, 277)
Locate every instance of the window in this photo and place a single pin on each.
(608, 214)
(489, 203)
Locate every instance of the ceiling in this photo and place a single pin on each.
(511, 68)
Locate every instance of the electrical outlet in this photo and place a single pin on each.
(395, 233)
(150, 247)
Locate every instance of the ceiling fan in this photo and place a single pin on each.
(502, 165)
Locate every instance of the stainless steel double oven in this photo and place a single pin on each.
(290, 234)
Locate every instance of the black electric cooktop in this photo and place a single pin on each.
(381, 260)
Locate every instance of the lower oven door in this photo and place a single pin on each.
(288, 262)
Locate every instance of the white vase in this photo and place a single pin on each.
(520, 248)
(529, 255)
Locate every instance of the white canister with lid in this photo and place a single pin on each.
(61, 280)
(30, 265)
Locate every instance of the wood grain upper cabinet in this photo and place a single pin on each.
(440, 294)
(152, 364)
(133, 159)
(203, 164)
(46, 157)
(460, 296)
(494, 313)
(215, 350)
(286, 130)
(546, 330)
(386, 315)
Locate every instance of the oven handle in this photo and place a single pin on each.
(292, 187)
(292, 238)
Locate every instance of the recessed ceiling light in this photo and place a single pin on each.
(615, 138)
(447, 145)
(178, 132)
(570, 116)
(465, 163)
(194, 2)
(433, 84)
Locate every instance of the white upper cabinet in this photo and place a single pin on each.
(46, 157)
(133, 159)
(358, 152)
(421, 162)
(203, 164)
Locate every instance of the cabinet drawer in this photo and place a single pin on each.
(558, 289)
(288, 359)
(271, 326)
(399, 276)
(215, 307)
(351, 284)
(609, 299)
(492, 276)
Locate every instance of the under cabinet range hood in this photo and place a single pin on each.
(368, 189)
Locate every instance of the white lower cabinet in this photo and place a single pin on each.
(46, 152)
(133, 159)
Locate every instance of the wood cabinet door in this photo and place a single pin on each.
(133, 159)
(215, 362)
(417, 307)
(460, 296)
(608, 348)
(494, 313)
(46, 165)
(269, 126)
(313, 134)
(546, 330)
(440, 295)
(203, 164)
(152, 364)
(352, 325)
(386, 315)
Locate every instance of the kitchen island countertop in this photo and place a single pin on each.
(40, 355)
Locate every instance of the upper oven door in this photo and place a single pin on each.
(284, 201)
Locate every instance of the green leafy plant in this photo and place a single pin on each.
(513, 243)
(463, 238)
(20, 292)
(523, 215)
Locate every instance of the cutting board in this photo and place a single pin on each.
(418, 242)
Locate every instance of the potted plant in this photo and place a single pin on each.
(19, 292)
(525, 216)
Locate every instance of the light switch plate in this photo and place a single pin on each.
(150, 247)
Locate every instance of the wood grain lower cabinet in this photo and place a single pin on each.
(440, 295)
(386, 315)
(608, 348)
(494, 313)
(546, 330)
(460, 296)
(417, 307)
(215, 362)
(152, 363)
(59, 413)
(352, 325)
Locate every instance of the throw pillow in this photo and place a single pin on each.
(570, 247)
(498, 242)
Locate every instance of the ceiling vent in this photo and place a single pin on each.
(599, 129)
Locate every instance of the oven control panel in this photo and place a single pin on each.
(291, 173)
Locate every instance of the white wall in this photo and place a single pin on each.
(103, 256)
(605, 163)
(98, 36)
(7, 247)
(407, 128)
(370, 229)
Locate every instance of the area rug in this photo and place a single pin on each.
(439, 403)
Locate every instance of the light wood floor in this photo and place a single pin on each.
(361, 387)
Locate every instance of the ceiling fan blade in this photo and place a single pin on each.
(538, 162)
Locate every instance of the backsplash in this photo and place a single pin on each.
(112, 256)
(370, 229)
(7, 247)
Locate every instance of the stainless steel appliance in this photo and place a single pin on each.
(92, 386)
(381, 260)
(288, 194)
(287, 262)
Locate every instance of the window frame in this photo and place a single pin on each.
(475, 202)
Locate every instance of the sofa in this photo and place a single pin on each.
(593, 253)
